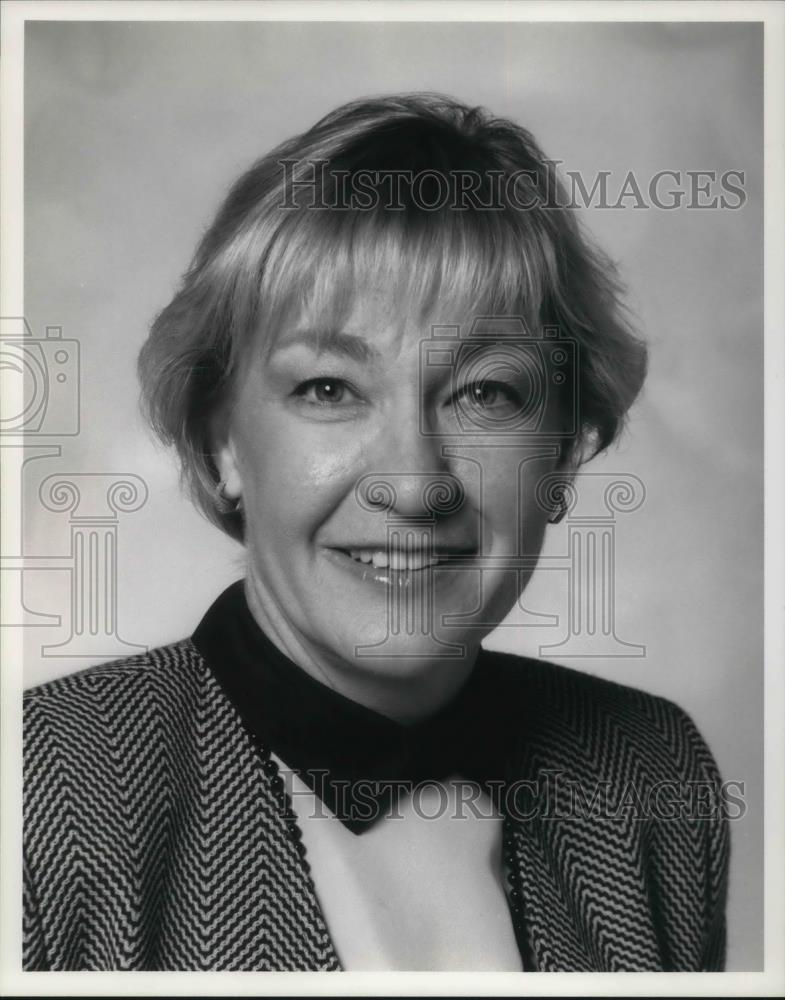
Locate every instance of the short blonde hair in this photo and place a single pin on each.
(287, 236)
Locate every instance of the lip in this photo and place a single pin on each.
(384, 576)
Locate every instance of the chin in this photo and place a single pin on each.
(379, 651)
(401, 638)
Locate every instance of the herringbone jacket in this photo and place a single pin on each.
(153, 841)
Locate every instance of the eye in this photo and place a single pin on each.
(325, 392)
(487, 395)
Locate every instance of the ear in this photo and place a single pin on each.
(225, 458)
(228, 470)
(564, 471)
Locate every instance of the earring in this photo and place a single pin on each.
(227, 504)
(561, 503)
(558, 512)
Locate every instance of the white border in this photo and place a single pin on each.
(393, 10)
(770, 982)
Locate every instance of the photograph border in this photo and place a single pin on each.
(771, 981)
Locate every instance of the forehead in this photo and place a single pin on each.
(374, 324)
(378, 326)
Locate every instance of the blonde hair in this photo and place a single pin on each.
(287, 238)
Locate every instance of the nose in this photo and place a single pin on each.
(409, 476)
(420, 495)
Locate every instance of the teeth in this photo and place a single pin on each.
(396, 560)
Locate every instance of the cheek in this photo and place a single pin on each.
(533, 514)
(508, 499)
(291, 474)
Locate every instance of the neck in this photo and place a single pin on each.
(406, 695)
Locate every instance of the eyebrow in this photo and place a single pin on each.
(347, 345)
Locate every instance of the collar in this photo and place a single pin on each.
(356, 760)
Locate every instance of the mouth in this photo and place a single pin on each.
(397, 566)
(399, 560)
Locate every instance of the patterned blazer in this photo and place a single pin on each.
(153, 840)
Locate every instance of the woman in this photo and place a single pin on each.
(391, 353)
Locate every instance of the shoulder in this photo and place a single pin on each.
(146, 667)
(161, 667)
(119, 744)
(125, 707)
(598, 727)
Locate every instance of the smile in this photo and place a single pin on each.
(396, 559)
(395, 567)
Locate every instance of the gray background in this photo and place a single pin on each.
(133, 132)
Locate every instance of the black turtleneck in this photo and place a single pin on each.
(355, 759)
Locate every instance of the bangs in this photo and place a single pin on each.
(444, 267)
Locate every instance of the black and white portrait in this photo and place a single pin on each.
(383, 486)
